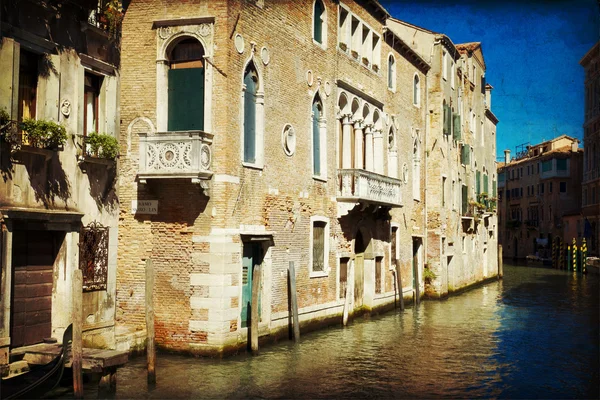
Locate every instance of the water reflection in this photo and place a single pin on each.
(533, 335)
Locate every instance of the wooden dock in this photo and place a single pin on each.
(104, 362)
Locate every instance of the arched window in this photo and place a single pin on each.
(319, 26)
(416, 90)
(317, 110)
(392, 154)
(391, 72)
(416, 170)
(250, 91)
(186, 86)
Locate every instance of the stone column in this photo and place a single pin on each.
(369, 148)
(358, 145)
(346, 142)
(378, 151)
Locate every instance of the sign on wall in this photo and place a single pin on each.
(144, 207)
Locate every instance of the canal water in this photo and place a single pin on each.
(534, 334)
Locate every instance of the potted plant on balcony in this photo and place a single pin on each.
(43, 134)
(111, 18)
(102, 145)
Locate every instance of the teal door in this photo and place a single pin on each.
(252, 255)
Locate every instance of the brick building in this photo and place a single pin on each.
(58, 203)
(539, 192)
(256, 134)
(590, 205)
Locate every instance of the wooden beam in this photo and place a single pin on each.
(399, 284)
(254, 311)
(77, 345)
(294, 301)
(150, 348)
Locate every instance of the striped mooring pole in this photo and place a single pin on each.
(569, 259)
(574, 255)
(584, 257)
(561, 256)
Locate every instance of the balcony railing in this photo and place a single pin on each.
(591, 174)
(175, 155)
(357, 185)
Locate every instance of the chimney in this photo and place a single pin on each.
(574, 146)
(506, 157)
(488, 96)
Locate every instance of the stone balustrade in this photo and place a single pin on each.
(175, 155)
(357, 185)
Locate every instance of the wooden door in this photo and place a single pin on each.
(359, 279)
(252, 255)
(33, 258)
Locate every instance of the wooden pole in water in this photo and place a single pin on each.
(500, 263)
(77, 344)
(150, 337)
(399, 284)
(254, 311)
(349, 290)
(294, 298)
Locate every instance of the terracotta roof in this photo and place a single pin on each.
(541, 157)
(466, 47)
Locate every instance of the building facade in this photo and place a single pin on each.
(58, 203)
(590, 185)
(538, 194)
(259, 134)
(461, 169)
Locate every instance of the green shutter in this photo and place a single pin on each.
(186, 99)
(485, 184)
(457, 128)
(318, 23)
(250, 117)
(447, 118)
(465, 153)
(478, 182)
(252, 255)
(465, 197)
(494, 188)
(316, 139)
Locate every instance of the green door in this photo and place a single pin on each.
(186, 99)
(252, 255)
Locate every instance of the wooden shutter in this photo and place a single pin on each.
(186, 99)
(465, 197)
(250, 80)
(485, 184)
(457, 134)
(478, 182)
(316, 139)
(319, 246)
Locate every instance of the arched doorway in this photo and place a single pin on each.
(359, 269)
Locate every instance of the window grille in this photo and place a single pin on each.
(93, 256)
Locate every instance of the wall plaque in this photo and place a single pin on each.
(144, 207)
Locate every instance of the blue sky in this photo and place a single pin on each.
(532, 51)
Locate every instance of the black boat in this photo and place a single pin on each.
(39, 380)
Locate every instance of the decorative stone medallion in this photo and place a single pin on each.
(327, 88)
(65, 108)
(288, 139)
(239, 43)
(309, 77)
(164, 32)
(204, 30)
(264, 55)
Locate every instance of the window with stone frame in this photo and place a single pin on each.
(391, 72)
(250, 91)
(319, 247)
(319, 25)
(93, 256)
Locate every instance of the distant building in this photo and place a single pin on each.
(536, 191)
(590, 190)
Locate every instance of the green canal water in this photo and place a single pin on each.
(534, 334)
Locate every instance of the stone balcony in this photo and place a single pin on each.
(357, 185)
(175, 155)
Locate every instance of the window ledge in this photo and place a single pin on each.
(321, 45)
(318, 274)
(252, 165)
(320, 178)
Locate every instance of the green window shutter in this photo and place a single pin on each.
(318, 22)
(465, 153)
(485, 184)
(446, 120)
(457, 131)
(465, 198)
(250, 117)
(478, 182)
(186, 99)
(316, 139)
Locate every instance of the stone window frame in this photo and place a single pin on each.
(416, 90)
(391, 70)
(394, 225)
(168, 34)
(364, 49)
(323, 43)
(259, 114)
(326, 269)
(322, 176)
(416, 170)
(444, 64)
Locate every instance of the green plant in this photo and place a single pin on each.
(428, 275)
(113, 15)
(43, 134)
(102, 145)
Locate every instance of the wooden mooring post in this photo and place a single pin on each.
(294, 301)
(254, 311)
(349, 292)
(399, 285)
(150, 337)
(500, 263)
(77, 344)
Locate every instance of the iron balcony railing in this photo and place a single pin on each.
(356, 185)
(175, 155)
